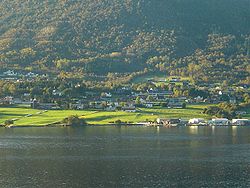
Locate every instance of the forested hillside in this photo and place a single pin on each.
(204, 39)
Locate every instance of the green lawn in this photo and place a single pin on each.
(157, 77)
(40, 118)
(145, 114)
(145, 78)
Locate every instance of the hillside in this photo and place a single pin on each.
(101, 36)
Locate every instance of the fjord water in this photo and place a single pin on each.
(125, 157)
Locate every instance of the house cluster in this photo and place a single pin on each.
(11, 74)
(8, 100)
(122, 99)
(131, 101)
(202, 122)
(218, 94)
(155, 97)
(35, 104)
(81, 105)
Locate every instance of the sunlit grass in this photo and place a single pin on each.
(40, 118)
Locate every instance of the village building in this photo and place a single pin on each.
(175, 79)
(96, 105)
(129, 109)
(241, 122)
(57, 93)
(8, 100)
(171, 122)
(10, 73)
(149, 104)
(79, 105)
(241, 112)
(35, 104)
(176, 102)
(220, 122)
(196, 121)
(168, 121)
(161, 120)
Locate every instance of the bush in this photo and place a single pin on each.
(223, 110)
(74, 121)
(9, 122)
(118, 122)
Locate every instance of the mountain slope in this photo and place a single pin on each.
(113, 35)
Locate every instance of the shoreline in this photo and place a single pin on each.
(26, 117)
(115, 125)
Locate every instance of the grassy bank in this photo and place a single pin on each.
(26, 116)
(145, 114)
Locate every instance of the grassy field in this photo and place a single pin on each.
(27, 116)
(145, 78)
(158, 78)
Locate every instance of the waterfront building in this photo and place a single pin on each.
(241, 122)
(220, 122)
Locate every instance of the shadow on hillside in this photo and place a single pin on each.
(105, 117)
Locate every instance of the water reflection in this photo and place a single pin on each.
(234, 130)
(193, 129)
(213, 130)
(125, 157)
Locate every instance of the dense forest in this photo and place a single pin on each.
(208, 41)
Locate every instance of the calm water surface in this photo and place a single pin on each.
(125, 157)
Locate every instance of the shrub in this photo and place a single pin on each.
(118, 122)
(74, 121)
(9, 122)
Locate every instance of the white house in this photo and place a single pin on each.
(57, 93)
(161, 120)
(108, 95)
(199, 99)
(196, 121)
(10, 73)
(241, 122)
(149, 105)
(220, 121)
